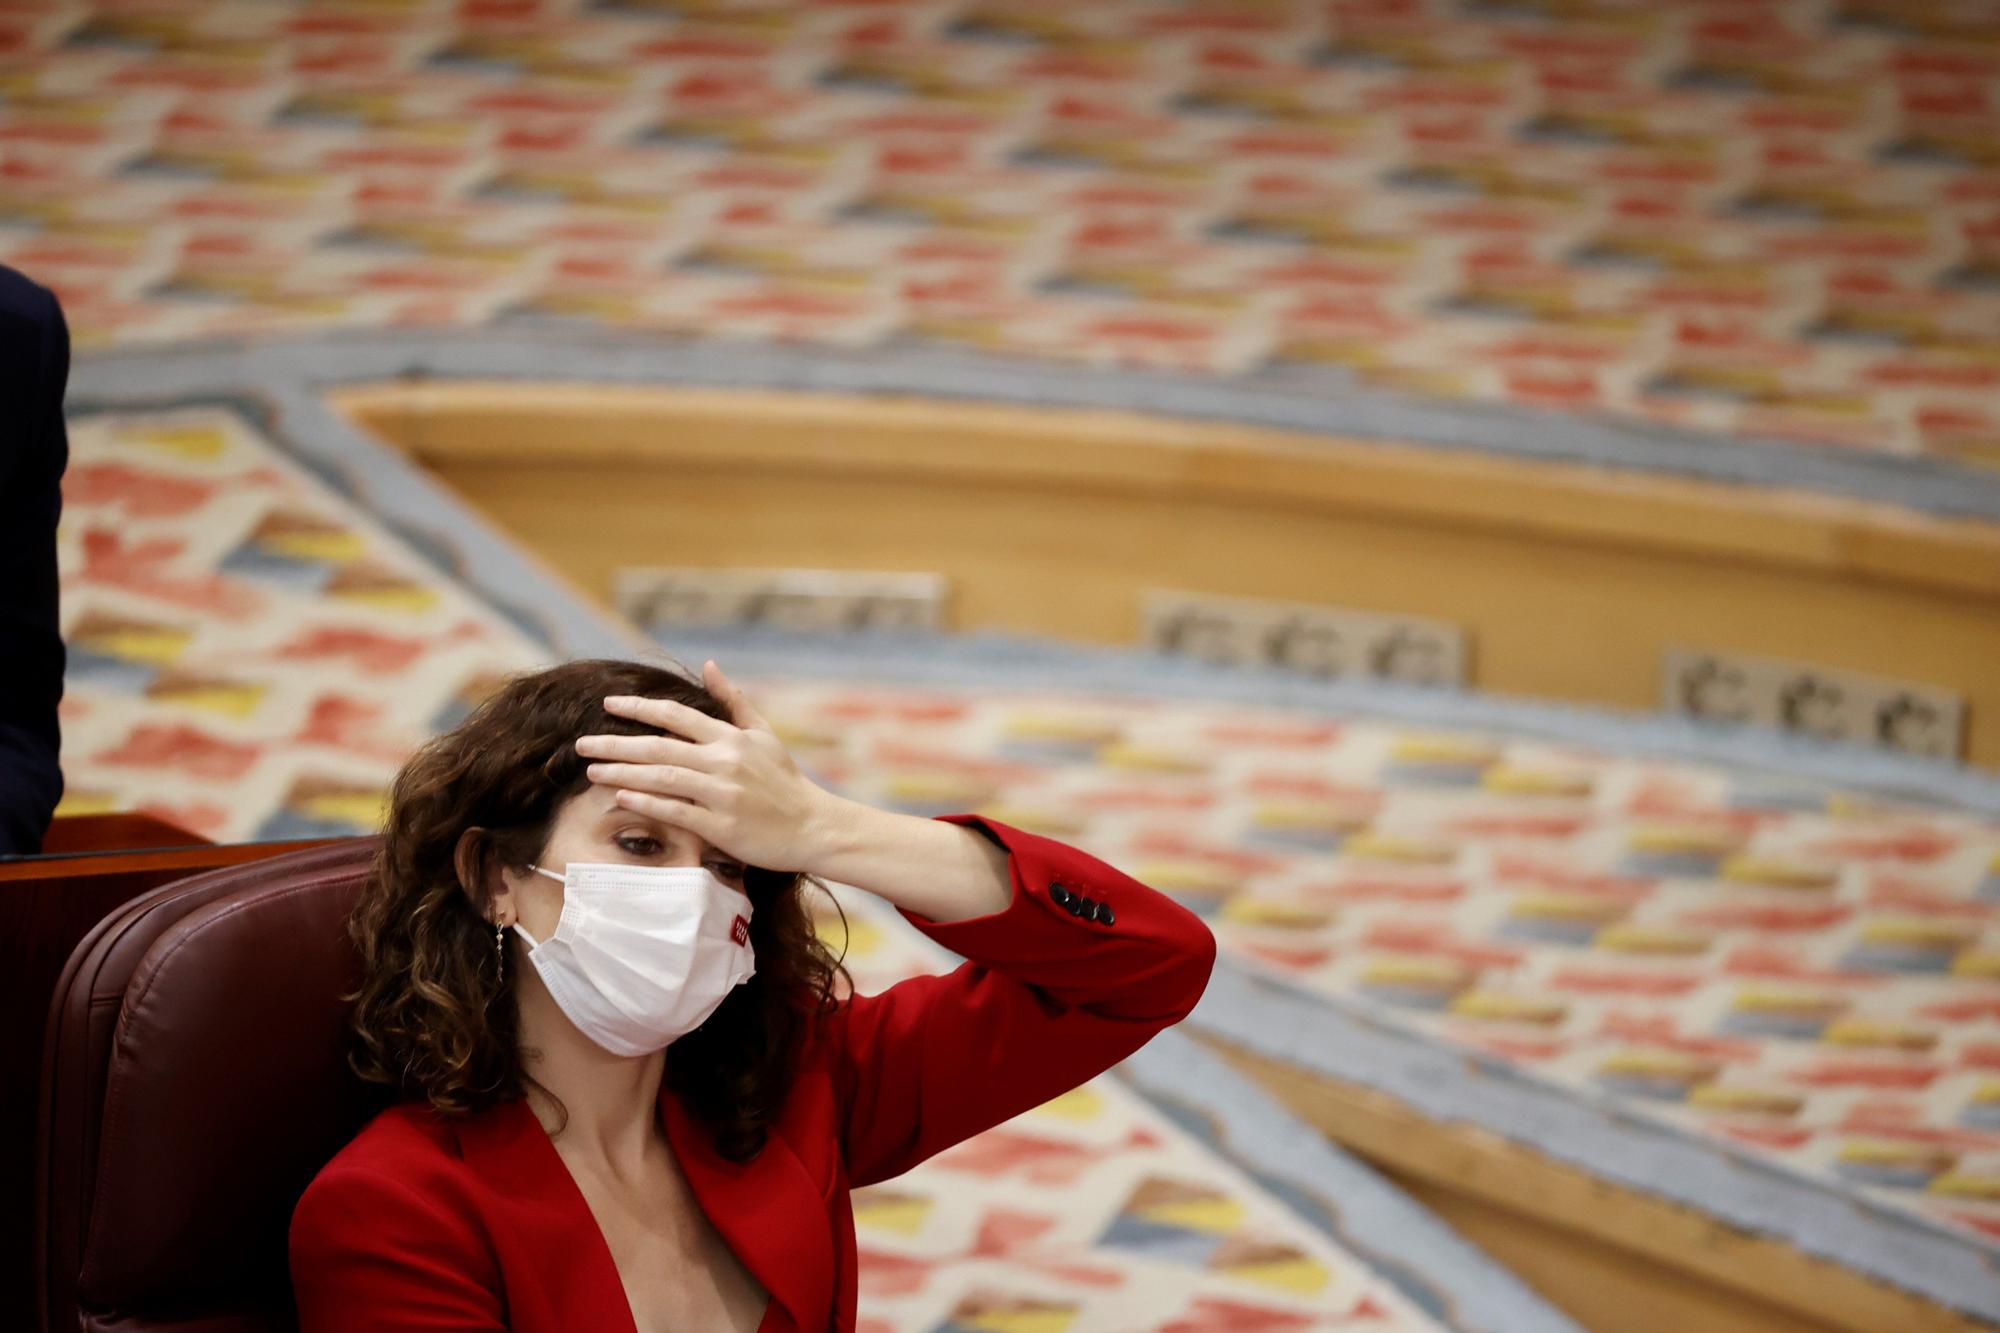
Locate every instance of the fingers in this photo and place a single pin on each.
(667, 716)
(646, 750)
(736, 701)
(669, 811)
(659, 779)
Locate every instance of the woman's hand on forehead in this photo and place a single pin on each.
(731, 783)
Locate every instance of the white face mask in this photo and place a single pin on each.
(643, 954)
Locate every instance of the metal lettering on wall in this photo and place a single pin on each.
(1325, 641)
(830, 600)
(1812, 700)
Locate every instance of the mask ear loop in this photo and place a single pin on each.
(522, 930)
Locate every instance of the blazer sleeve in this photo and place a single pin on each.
(34, 452)
(372, 1254)
(1048, 998)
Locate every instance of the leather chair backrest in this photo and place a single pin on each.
(194, 1080)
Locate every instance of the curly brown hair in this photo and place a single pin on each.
(435, 1015)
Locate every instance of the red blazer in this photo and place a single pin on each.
(474, 1223)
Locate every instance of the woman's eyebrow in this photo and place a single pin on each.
(613, 814)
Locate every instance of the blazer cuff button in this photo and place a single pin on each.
(1104, 913)
(1061, 894)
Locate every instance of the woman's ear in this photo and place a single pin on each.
(480, 880)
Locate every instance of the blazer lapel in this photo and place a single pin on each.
(768, 1209)
(548, 1223)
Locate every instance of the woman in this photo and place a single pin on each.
(633, 1098)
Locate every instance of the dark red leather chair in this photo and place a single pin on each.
(195, 1078)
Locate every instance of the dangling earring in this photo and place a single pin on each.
(500, 949)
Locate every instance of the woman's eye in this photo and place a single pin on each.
(640, 846)
(726, 869)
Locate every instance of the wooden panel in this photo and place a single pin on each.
(828, 433)
(1572, 581)
(1603, 1287)
(1620, 1260)
(122, 831)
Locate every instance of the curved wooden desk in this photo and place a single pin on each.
(1571, 581)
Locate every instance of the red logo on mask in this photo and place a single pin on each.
(739, 930)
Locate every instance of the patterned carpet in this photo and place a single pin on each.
(1775, 219)
(1795, 972)
(250, 655)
